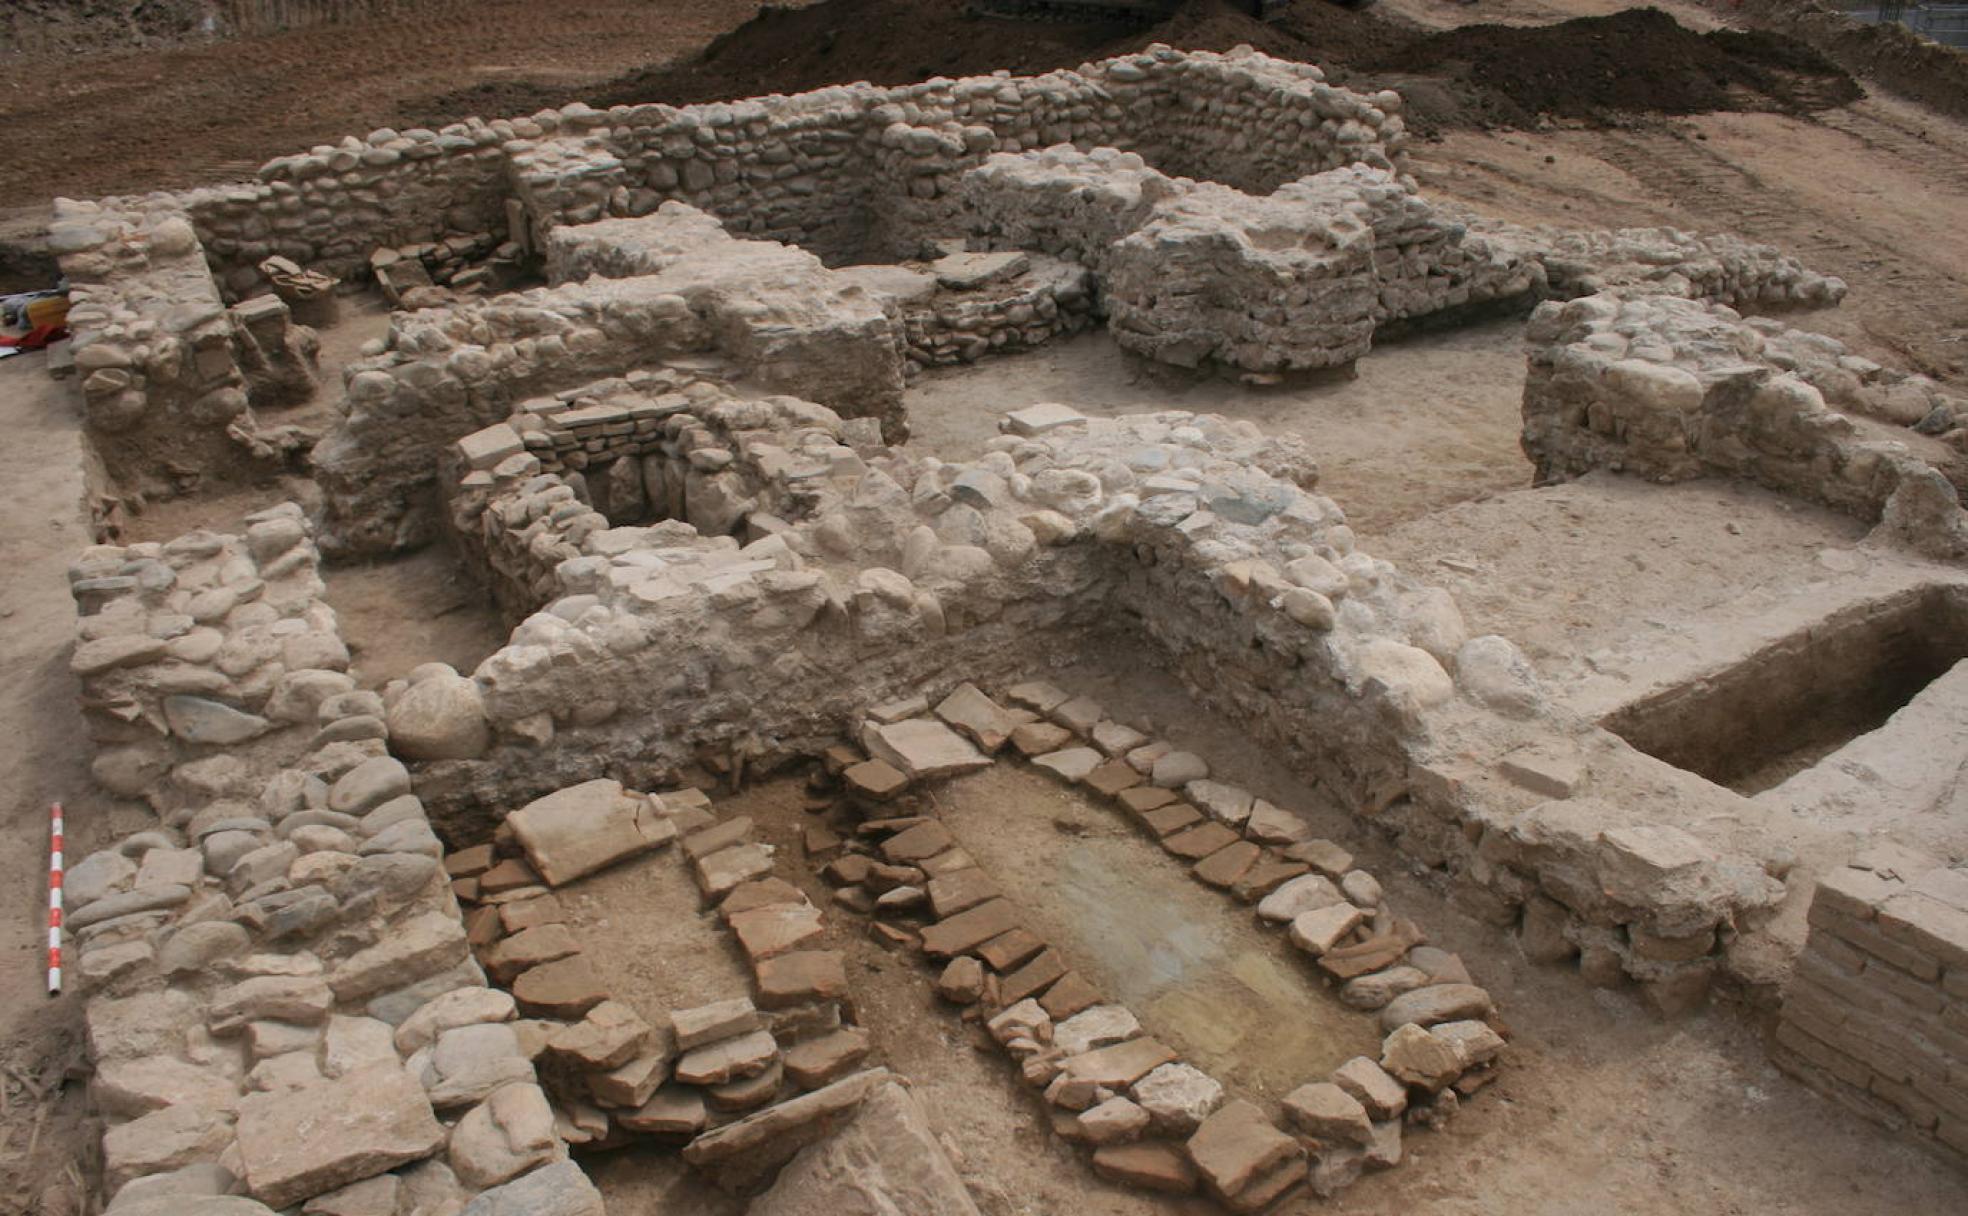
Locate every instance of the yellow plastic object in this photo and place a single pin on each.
(50, 311)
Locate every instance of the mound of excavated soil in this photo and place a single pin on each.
(1592, 69)
(1635, 61)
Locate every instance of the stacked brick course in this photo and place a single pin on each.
(1876, 1015)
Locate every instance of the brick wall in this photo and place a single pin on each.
(1876, 1015)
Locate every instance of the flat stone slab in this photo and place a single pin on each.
(1122, 1064)
(911, 845)
(1072, 994)
(1154, 1165)
(1168, 820)
(722, 871)
(801, 976)
(755, 1146)
(965, 271)
(1436, 1003)
(1072, 764)
(303, 1142)
(1032, 978)
(565, 988)
(673, 1110)
(559, 1188)
(776, 928)
(922, 748)
(967, 930)
(709, 1023)
(1320, 930)
(814, 1062)
(1200, 841)
(1227, 804)
(1030, 739)
(573, 832)
(887, 1160)
(960, 891)
(1113, 777)
(1007, 950)
(1039, 695)
(1228, 864)
(987, 723)
(875, 779)
(1235, 1145)
(747, 1055)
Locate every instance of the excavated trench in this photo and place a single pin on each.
(1761, 721)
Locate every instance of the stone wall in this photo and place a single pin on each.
(1195, 273)
(762, 311)
(856, 171)
(1876, 1013)
(168, 374)
(859, 574)
(964, 306)
(280, 1003)
(1665, 261)
(847, 171)
(1673, 389)
(330, 207)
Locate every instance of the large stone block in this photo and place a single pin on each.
(576, 831)
(302, 1142)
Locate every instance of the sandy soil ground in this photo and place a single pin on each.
(1423, 423)
(1873, 192)
(45, 1146)
(1605, 1109)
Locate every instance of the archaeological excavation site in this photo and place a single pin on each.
(890, 609)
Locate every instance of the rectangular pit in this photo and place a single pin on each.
(1756, 724)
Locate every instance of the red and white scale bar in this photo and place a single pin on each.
(54, 899)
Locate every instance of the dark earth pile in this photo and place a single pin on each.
(1594, 69)
(1635, 61)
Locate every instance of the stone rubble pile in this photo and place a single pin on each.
(1876, 1012)
(429, 274)
(723, 1081)
(281, 1004)
(1673, 389)
(169, 375)
(1151, 1120)
(1425, 259)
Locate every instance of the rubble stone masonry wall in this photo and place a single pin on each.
(281, 1005)
(841, 573)
(844, 171)
(1672, 389)
(164, 396)
(1876, 1014)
